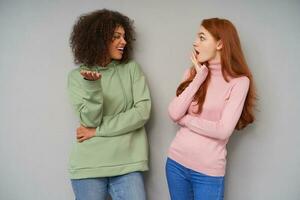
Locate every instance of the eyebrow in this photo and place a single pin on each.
(119, 33)
(201, 33)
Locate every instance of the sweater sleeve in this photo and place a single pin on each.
(223, 128)
(86, 98)
(180, 104)
(135, 117)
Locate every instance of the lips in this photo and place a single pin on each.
(121, 49)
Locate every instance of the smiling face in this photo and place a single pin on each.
(118, 43)
(206, 47)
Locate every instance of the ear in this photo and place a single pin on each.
(219, 44)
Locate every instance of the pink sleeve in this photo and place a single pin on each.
(180, 104)
(223, 128)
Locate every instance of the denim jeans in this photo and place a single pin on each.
(125, 187)
(187, 184)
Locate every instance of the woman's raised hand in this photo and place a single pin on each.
(90, 75)
(195, 62)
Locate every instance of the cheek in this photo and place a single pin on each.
(111, 53)
(114, 54)
(210, 49)
(206, 53)
(212, 52)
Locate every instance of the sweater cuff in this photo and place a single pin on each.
(98, 132)
(186, 119)
(181, 121)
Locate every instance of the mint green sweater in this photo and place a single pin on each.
(118, 106)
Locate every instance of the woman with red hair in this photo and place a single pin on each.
(216, 96)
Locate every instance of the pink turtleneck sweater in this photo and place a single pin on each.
(200, 143)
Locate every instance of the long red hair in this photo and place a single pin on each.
(233, 65)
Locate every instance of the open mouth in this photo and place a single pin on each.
(197, 52)
(121, 49)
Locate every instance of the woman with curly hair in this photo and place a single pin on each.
(111, 98)
(215, 97)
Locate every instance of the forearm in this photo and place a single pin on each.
(125, 122)
(87, 100)
(180, 104)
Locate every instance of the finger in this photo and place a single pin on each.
(194, 52)
(79, 133)
(194, 55)
(95, 75)
(85, 74)
(89, 75)
(81, 139)
(79, 130)
(193, 60)
(98, 75)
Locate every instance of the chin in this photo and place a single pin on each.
(117, 58)
(202, 61)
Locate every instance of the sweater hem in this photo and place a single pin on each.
(108, 171)
(196, 166)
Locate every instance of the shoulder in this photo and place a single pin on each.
(241, 82)
(132, 66)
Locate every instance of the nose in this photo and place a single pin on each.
(195, 42)
(195, 45)
(123, 41)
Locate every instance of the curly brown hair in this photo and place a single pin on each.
(93, 32)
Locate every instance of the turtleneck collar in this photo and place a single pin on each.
(215, 68)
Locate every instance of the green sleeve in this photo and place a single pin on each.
(86, 98)
(135, 117)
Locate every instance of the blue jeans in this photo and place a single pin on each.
(125, 187)
(187, 184)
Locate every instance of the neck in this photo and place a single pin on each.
(215, 68)
(105, 62)
(217, 58)
(215, 65)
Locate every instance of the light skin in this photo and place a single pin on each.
(206, 49)
(115, 51)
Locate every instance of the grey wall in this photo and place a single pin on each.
(37, 125)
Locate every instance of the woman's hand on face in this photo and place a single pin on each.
(90, 75)
(84, 133)
(195, 62)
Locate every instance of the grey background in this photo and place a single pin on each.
(38, 126)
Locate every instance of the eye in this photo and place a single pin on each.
(116, 37)
(202, 38)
